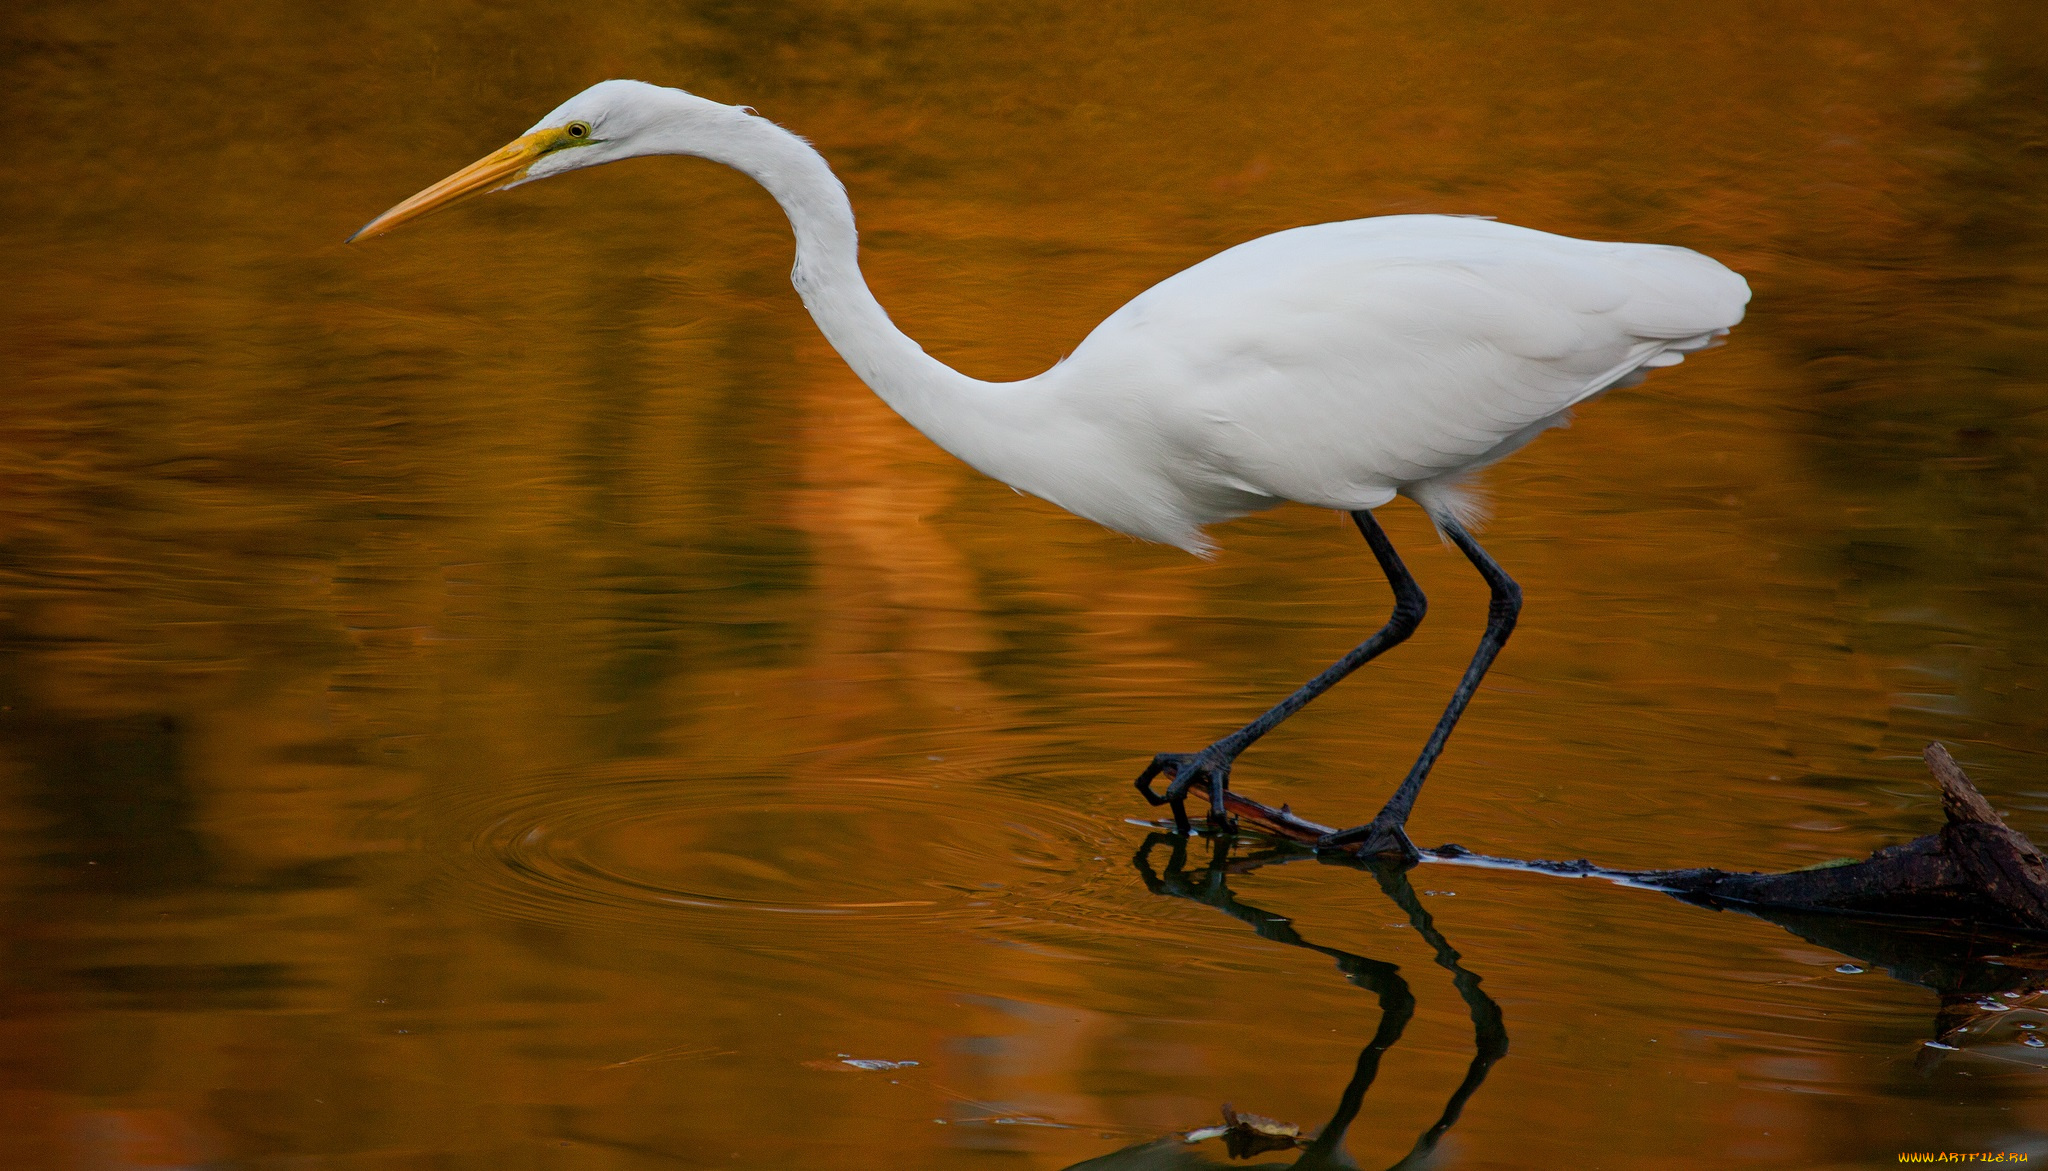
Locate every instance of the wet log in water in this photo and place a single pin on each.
(1976, 871)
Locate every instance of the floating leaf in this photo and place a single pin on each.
(1245, 1135)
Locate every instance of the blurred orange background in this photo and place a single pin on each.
(505, 694)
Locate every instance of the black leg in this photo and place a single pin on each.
(1385, 834)
(1212, 764)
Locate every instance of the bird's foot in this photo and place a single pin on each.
(1210, 766)
(1380, 837)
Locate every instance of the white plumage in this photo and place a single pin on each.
(1340, 364)
(1337, 365)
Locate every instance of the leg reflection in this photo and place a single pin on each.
(1489, 1029)
(1209, 886)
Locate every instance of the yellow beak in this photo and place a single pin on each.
(503, 166)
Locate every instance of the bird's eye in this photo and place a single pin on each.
(579, 130)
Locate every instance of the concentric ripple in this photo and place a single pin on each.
(655, 849)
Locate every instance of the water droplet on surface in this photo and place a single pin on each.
(2027, 1025)
(2033, 1042)
(1939, 1045)
(1849, 970)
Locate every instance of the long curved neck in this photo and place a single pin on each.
(958, 413)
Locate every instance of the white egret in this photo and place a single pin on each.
(1338, 365)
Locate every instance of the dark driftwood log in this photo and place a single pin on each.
(1976, 871)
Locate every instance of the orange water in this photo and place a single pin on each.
(505, 696)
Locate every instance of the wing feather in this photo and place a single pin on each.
(1337, 363)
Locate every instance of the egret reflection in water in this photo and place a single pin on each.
(1210, 886)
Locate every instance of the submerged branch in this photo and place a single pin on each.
(1962, 911)
(1975, 872)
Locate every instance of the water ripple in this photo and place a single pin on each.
(654, 847)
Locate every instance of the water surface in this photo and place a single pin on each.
(507, 696)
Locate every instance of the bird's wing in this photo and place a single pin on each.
(1336, 363)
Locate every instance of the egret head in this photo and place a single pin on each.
(611, 120)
